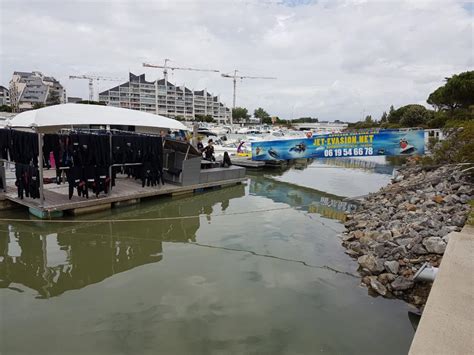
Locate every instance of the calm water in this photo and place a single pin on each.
(217, 282)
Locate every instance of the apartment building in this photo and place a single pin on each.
(4, 96)
(165, 98)
(30, 89)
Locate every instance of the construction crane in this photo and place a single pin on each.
(165, 68)
(235, 77)
(91, 79)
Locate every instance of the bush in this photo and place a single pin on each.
(458, 147)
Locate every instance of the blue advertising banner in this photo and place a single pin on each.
(384, 142)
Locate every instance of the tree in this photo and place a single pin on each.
(208, 119)
(53, 98)
(384, 118)
(5, 108)
(37, 105)
(457, 93)
(239, 114)
(87, 102)
(305, 120)
(261, 114)
(415, 115)
(204, 118)
(394, 116)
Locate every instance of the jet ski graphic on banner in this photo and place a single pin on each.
(383, 142)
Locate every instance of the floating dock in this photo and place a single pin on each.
(125, 192)
(248, 163)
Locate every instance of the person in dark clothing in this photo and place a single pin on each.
(209, 151)
(226, 162)
(200, 146)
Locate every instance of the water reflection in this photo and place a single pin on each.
(55, 258)
(310, 200)
(376, 165)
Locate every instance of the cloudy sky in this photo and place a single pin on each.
(333, 59)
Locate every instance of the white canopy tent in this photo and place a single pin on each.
(52, 118)
(77, 115)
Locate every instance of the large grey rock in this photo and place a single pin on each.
(384, 236)
(386, 278)
(464, 189)
(371, 263)
(402, 250)
(452, 199)
(458, 220)
(434, 245)
(401, 283)
(392, 266)
(377, 286)
(418, 249)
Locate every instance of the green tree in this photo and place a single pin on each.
(5, 108)
(208, 118)
(87, 102)
(368, 119)
(305, 120)
(457, 93)
(239, 114)
(394, 116)
(38, 105)
(415, 115)
(384, 118)
(261, 114)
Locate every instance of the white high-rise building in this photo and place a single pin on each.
(4, 96)
(165, 99)
(30, 89)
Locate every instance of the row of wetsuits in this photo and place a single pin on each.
(18, 146)
(21, 148)
(85, 158)
(27, 181)
(147, 150)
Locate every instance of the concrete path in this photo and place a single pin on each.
(447, 323)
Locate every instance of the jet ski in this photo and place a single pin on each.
(273, 153)
(299, 148)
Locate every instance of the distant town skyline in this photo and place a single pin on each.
(335, 60)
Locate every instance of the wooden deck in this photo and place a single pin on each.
(125, 190)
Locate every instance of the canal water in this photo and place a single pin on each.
(254, 268)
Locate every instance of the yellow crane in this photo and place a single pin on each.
(234, 77)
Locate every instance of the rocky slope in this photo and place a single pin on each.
(406, 224)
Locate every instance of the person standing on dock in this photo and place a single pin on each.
(199, 145)
(209, 151)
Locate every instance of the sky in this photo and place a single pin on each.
(333, 59)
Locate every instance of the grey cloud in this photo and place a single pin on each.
(379, 53)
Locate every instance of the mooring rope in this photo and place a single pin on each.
(302, 262)
(150, 219)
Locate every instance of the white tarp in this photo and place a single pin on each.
(68, 115)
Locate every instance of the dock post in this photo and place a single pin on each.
(40, 166)
(3, 175)
(110, 162)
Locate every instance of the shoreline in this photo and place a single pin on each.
(404, 225)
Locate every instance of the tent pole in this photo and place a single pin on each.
(40, 166)
(110, 162)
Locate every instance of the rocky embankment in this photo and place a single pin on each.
(396, 230)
